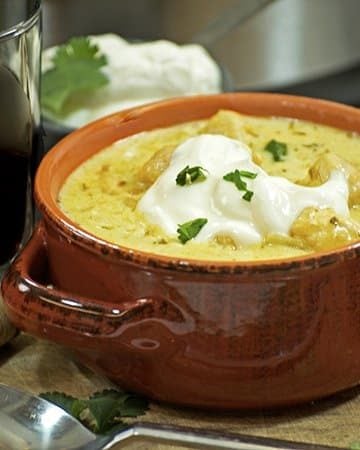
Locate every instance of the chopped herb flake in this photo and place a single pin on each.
(189, 230)
(277, 149)
(235, 177)
(248, 196)
(190, 174)
(246, 174)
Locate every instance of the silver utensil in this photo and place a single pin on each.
(30, 422)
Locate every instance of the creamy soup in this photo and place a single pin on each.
(233, 187)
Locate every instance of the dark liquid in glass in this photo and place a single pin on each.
(16, 145)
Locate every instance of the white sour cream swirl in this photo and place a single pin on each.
(275, 205)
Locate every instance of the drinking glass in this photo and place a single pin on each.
(20, 137)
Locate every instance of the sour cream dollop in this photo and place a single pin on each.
(140, 73)
(274, 206)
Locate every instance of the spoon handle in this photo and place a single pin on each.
(201, 439)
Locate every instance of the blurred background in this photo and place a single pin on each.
(308, 47)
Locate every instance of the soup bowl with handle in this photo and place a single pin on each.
(214, 334)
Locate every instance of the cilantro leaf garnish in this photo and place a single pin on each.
(102, 411)
(190, 174)
(277, 149)
(189, 230)
(76, 68)
(235, 177)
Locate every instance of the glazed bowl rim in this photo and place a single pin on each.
(70, 229)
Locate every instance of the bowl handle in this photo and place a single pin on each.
(40, 309)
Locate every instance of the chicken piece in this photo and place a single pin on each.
(321, 229)
(320, 172)
(230, 124)
(227, 123)
(154, 167)
(283, 240)
(225, 241)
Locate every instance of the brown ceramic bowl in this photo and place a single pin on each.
(207, 334)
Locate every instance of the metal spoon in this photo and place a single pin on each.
(29, 422)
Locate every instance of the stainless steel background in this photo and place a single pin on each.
(290, 41)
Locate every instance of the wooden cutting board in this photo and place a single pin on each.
(38, 366)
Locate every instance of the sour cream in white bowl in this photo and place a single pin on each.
(137, 73)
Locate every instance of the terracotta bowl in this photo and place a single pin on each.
(206, 334)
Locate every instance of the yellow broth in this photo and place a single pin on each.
(101, 195)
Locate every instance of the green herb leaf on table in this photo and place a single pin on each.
(277, 149)
(103, 411)
(70, 404)
(190, 174)
(110, 404)
(189, 230)
(76, 68)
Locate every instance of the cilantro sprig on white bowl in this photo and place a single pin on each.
(75, 68)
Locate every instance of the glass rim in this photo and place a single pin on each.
(21, 27)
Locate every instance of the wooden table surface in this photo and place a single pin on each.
(38, 366)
